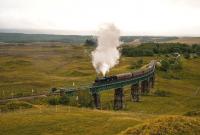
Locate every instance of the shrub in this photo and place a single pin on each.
(149, 49)
(64, 100)
(165, 65)
(166, 125)
(53, 89)
(134, 52)
(91, 42)
(195, 56)
(193, 113)
(85, 98)
(15, 105)
(53, 100)
(161, 93)
(19, 94)
(171, 63)
(177, 65)
(186, 55)
(137, 64)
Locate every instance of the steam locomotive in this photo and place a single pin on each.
(125, 76)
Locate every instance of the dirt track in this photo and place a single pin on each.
(23, 98)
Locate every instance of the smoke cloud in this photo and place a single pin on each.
(106, 55)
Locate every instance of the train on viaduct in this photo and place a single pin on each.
(140, 81)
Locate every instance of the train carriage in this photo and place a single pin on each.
(106, 80)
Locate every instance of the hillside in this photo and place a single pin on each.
(67, 120)
(30, 69)
(169, 125)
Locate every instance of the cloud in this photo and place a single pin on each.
(139, 16)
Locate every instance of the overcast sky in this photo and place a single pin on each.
(136, 17)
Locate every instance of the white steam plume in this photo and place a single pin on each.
(106, 55)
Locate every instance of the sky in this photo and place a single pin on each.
(132, 17)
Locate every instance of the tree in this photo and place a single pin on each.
(90, 42)
(64, 100)
(186, 55)
(84, 98)
(165, 65)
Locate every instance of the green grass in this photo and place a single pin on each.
(40, 67)
(66, 120)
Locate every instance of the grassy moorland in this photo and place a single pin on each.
(24, 68)
(186, 40)
(65, 120)
(40, 67)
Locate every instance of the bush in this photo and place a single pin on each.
(137, 64)
(54, 100)
(186, 55)
(134, 52)
(85, 98)
(193, 113)
(161, 93)
(165, 65)
(166, 125)
(64, 100)
(171, 63)
(53, 89)
(91, 42)
(149, 49)
(177, 65)
(15, 105)
(194, 56)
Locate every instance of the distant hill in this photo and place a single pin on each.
(26, 38)
(73, 39)
(186, 40)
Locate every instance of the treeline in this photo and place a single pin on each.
(150, 49)
(126, 39)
